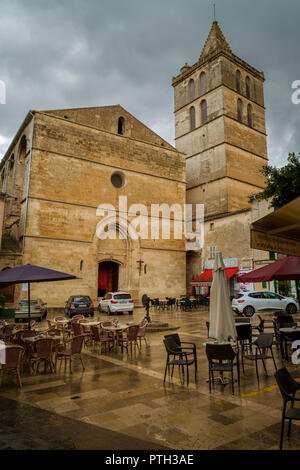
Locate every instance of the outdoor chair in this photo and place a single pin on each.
(55, 332)
(73, 352)
(244, 340)
(221, 359)
(107, 324)
(265, 324)
(186, 305)
(177, 356)
(13, 360)
(288, 339)
(130, 339)
(263, 343)
(142, 331)
(171, 302)
(99, 336)
(288, 388)
(76, 318)
(190, 349)
(7, 332)
(18, 337)
(43, 353)
(78, 330)
(284, 320)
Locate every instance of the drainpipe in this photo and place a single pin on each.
(28, 182)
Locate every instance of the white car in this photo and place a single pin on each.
(248, 303)
(116, 302)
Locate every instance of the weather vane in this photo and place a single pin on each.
(214, 12)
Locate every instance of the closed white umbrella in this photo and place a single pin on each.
(221, 321)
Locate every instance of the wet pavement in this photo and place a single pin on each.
(120, 402)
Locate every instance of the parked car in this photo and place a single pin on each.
(79, 305)
(248, 303)
(38, 310)
(116, 302)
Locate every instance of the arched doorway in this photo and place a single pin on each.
(108, 277)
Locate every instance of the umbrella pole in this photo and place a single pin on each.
(29, 328)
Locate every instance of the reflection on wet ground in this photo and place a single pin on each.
(120, 402)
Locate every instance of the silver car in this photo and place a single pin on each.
(116, 302)
(38, 310)
(247, 303)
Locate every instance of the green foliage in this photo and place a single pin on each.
(283, 184)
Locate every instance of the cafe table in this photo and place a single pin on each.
(90, 323)
(117, 330)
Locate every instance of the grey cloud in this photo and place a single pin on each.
(88, 52)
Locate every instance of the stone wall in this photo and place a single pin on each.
(71, 169)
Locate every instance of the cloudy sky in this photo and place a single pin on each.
(72, 53)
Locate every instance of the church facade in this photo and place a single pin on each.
(60, 168)
(220, 126)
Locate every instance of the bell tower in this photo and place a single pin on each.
(220, 126)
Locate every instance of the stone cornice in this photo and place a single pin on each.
(215, 55)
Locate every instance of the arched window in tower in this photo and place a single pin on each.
(203, 107)
(240, 110)
(121, 125)
(191, 90)
(192, 118)
(248, 87)
(202, 83)
(238, 81)
(250, 115)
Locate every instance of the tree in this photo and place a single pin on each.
(283, 184)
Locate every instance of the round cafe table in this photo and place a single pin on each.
(90, 323)
(116, 330)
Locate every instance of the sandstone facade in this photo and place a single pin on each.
(58, 171)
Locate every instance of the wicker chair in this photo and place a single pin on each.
(13, 360)
(130, 339)
(43, 353)
(73, 352)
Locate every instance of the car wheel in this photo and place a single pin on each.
(99, 308)
(248, 311)
(291, 309)
(108, 311)
(16, 320)
(130, 313)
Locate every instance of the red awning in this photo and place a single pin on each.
(285, 269)
(207, 275)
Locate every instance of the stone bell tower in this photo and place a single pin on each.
(220, 126)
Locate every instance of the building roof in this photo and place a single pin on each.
(215, 42)
(214, 46)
